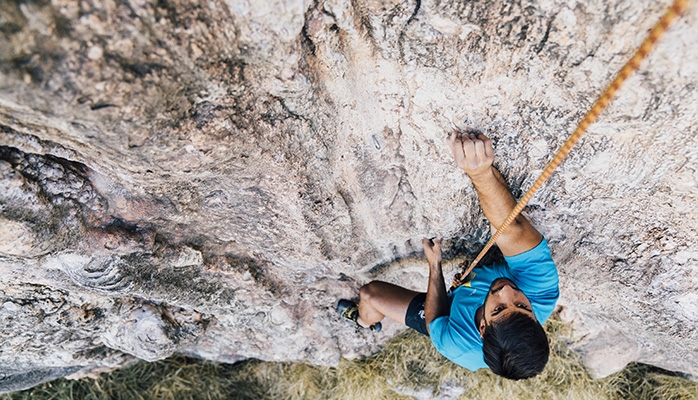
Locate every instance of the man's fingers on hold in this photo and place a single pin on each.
(469, 149)
(480, 147)
(489, 150)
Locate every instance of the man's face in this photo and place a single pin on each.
(503, 299)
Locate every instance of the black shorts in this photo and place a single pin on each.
(414, 318)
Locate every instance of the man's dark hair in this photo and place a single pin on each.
(516, 348)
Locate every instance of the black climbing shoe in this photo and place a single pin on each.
(349, 311)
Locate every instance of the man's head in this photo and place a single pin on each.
(514, 343)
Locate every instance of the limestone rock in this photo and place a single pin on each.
(209, 178)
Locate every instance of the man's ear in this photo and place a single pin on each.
(482, 326)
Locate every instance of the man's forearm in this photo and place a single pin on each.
(494, 194)
(497, 202)
(436, 304)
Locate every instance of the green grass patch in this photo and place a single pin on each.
(407, 366)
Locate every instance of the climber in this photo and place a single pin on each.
(494, 318)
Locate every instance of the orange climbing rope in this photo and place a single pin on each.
(598, 107)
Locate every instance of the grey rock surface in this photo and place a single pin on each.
(209, 178)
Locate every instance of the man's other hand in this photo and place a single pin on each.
(473, 153)
(432, 250)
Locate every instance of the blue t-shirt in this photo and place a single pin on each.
(456, 336)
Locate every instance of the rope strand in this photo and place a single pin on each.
(631, 66)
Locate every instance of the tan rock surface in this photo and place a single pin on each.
(210, 177)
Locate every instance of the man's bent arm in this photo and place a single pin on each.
(497, 202)
(436, 304)
(474, 155)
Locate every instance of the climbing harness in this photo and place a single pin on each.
(631, 66)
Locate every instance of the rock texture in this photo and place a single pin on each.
(210, 177)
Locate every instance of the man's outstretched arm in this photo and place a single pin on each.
(436, 304)
(474, 155)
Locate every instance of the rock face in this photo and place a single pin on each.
(210, 177)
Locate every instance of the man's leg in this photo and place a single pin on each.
(381, 299)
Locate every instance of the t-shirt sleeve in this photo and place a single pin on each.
(463, 351)
(534, 271)
(440, 335)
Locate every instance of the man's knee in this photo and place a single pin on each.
(369, 291)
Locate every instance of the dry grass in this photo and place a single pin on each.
(407, 366)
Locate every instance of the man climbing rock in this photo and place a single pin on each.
(494, 318)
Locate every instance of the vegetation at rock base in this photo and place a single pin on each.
(408, 367)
